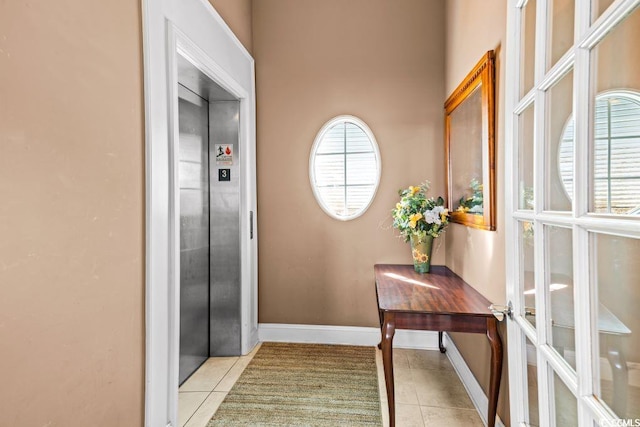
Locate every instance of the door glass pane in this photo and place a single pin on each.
(566, 406)
(528, 47)
(525, 159)
(617, 276)
(598, 7)
(616, 57)
(616, 154)
(561, 36)
(527, 272)
(559, 146)
(559, 282)
(532, 384)
(615, 164)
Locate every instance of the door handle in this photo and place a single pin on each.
(500, 311)
(250, 225)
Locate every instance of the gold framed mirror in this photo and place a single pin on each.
(470, 148)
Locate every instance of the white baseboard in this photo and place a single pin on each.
(475, 392)
(346, 335)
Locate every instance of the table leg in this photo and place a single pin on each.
(380, 315)
(440, 345)
(496, 369)
(388, 330)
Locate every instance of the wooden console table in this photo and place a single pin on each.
(436, 301)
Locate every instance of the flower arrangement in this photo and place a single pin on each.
(418, 215)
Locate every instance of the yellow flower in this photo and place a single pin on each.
(398, 206)
(413, 219)
(414, 190)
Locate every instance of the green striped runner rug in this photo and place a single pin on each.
(304, 385)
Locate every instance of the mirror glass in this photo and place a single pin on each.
(466, 148)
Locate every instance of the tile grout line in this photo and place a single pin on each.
(196, 410)
(210, 392)
(227, 373)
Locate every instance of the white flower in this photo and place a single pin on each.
(438, 209)
(433, 216)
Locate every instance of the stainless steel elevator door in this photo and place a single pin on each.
(193, 178)
(225, 231)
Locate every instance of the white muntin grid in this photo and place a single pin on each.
(583, 382)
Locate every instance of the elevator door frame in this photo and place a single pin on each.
(194, 30)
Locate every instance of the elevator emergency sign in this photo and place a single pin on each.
(224, 154)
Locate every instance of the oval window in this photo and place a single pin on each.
(344, 167)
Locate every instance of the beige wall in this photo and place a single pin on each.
(472, 28)
(381, 61)
(237, 15)
(72, 213)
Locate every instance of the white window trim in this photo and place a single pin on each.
(316, 143)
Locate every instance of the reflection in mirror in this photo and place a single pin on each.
(470, 151)
(615, 185)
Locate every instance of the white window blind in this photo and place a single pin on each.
(344, 167)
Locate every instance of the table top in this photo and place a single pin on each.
(441, 291)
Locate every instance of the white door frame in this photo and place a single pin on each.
(581, 222)
(193, 29)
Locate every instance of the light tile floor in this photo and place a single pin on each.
(428, 391)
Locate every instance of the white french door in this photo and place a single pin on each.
(572, 159)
